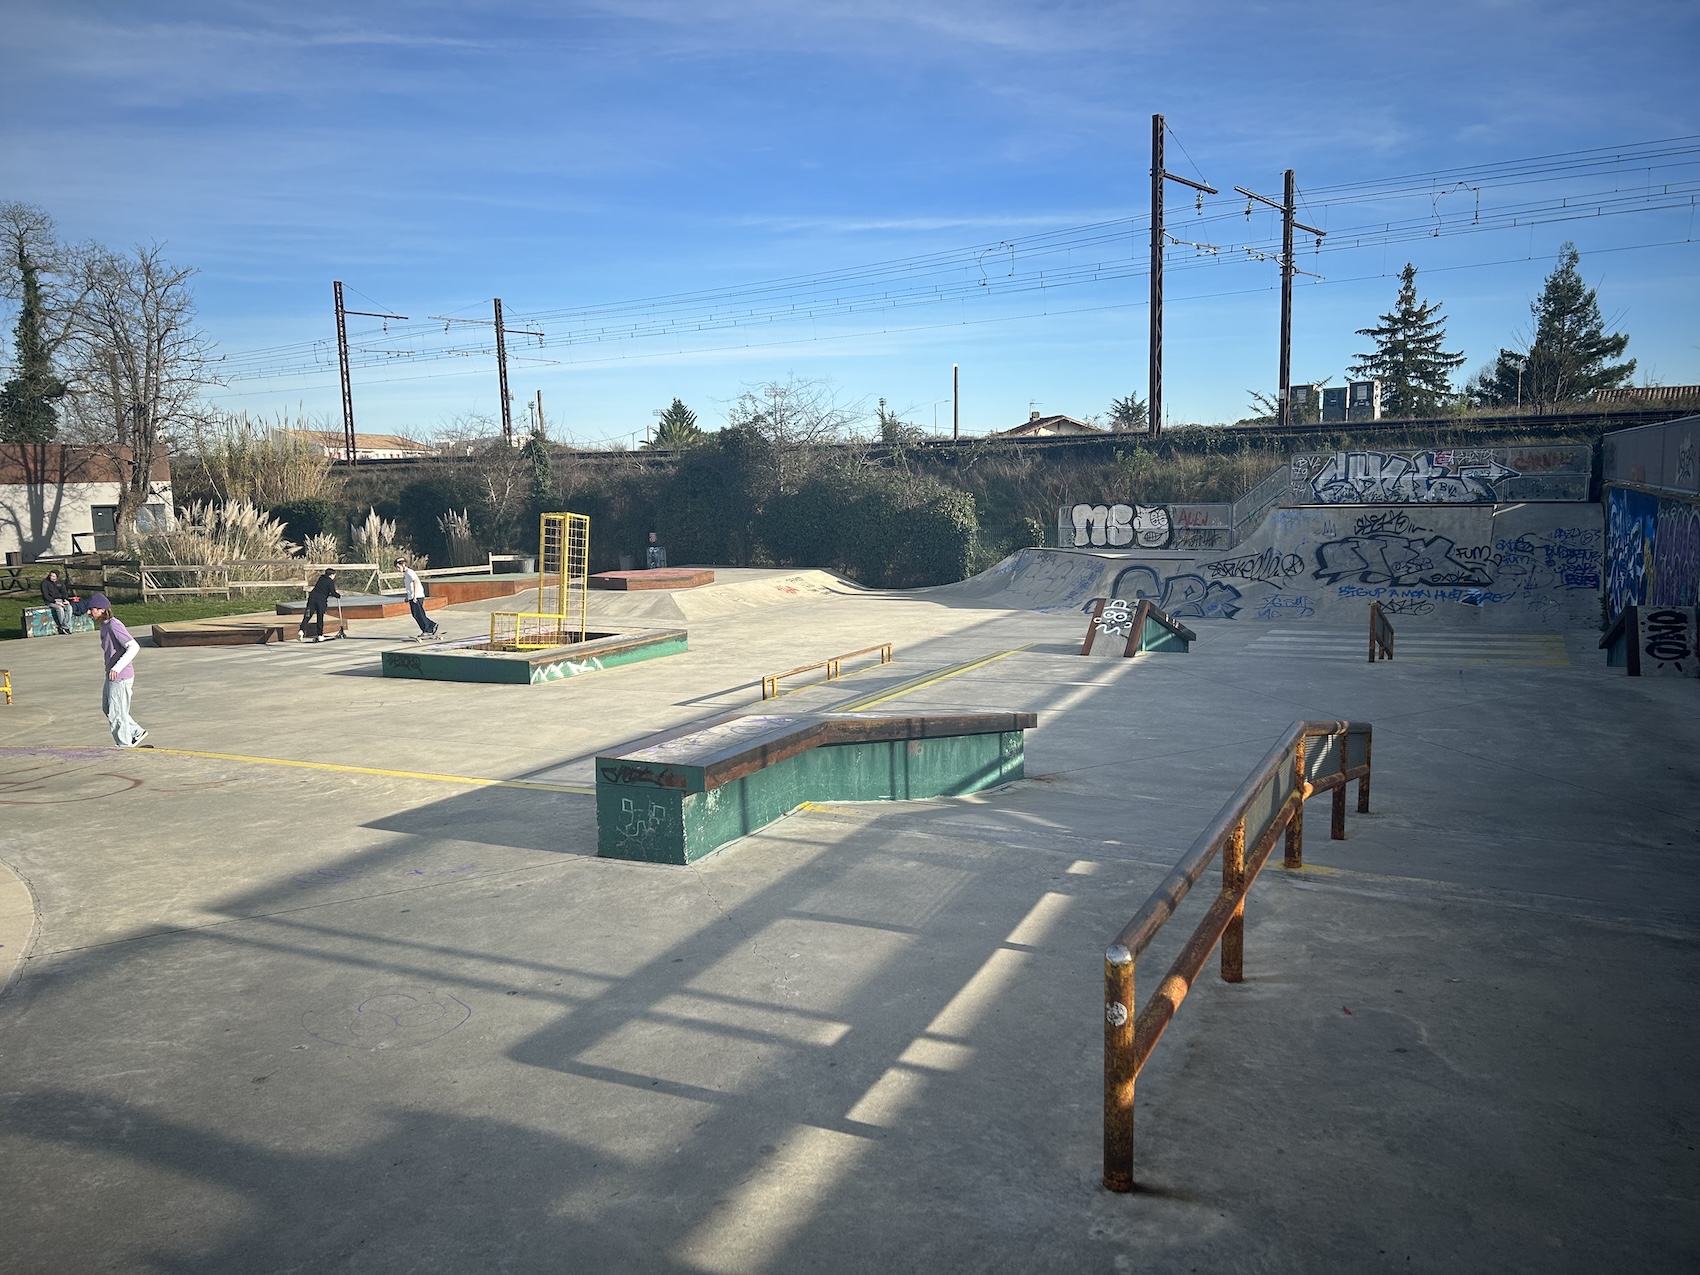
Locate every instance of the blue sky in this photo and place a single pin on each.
(434, 155)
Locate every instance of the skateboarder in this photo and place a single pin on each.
(324, 589)
(414, 591)
(119, 650)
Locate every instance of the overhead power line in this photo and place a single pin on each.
(1480, 199)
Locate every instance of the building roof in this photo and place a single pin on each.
(333, 442)
(57, 464)
(1038, 426)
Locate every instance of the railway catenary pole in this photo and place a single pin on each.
(1289, 211)
(342, 313)
(1159, 174)
(502, 368)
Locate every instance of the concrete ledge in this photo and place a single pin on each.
(236, 630)
(678, 799)
(470, 660)
(367, 606)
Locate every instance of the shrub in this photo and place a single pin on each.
(313, 516)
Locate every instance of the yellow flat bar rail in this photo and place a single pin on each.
(1269, 802)
(832, 665)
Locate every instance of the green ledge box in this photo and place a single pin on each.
(676, 799)
(472, 660)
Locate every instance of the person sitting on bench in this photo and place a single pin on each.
(58, 599)
(324, 589)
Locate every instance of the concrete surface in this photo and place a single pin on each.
(381, 1014)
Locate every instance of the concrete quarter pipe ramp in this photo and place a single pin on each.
(1529, 566)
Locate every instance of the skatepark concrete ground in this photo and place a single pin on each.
(379, 1013)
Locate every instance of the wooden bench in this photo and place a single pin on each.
(676, 798)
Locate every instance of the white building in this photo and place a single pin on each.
(57, 500)
(332, 443)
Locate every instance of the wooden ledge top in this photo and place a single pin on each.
(708, 757)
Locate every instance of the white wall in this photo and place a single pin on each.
(39, 520)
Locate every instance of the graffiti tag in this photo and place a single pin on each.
(1667, 639)
(1285, 606)
(1119, 525)
(1268, 567)
(1187, 595)
(1454, 476)
(1390, 549)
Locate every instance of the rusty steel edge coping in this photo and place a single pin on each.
(1137, 934)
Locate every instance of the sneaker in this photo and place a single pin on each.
(301, 635)
(137, 741)
(320, 638)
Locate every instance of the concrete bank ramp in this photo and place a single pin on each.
(1516, 567)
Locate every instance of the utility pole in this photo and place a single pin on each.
(955, 402)
(502, 368)
(1159, 174)
(342, 361)
(1288, 211)
(540, 411)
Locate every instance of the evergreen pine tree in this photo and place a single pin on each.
(26, 401)
(676, 428)
(1415, 373)
(1570, 356)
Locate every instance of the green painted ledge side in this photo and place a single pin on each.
(666, 825)
(516, 668)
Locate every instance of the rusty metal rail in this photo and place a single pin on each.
(1269, 802)
(770, 683)
(1380, 633)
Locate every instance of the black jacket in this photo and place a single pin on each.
(54, 591)
(324, 587)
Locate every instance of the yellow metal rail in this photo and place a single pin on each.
(770, 683)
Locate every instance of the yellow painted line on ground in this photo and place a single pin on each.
(926, 680)
(429, 776)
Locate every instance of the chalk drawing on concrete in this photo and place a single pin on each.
(1186, 595)
(387, 1017)
(1390, 549)
(1464, 475)
(1118, 526)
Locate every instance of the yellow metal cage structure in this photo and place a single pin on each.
(563, 586)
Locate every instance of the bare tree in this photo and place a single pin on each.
(27, 234)
(139, 361)
(797, 418)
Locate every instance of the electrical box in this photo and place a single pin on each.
(1333, 403)
(1363, 400)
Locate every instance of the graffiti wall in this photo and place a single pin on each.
(1440, 476)
(1528, 566)
(1652, 550)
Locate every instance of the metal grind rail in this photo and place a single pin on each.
(1380, 633)
(1269, 802)
(770, 682)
